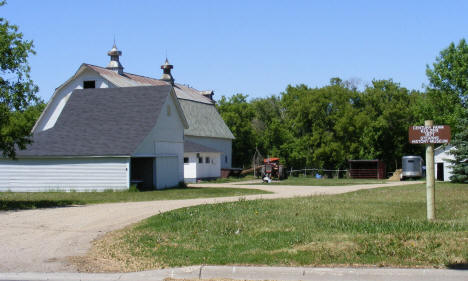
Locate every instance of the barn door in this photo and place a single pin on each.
(167, 172)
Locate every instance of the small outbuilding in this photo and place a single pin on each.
(367, 169)
(442, 165)
(200, 162)
(107, 138)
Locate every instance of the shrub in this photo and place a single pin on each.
(133, 188)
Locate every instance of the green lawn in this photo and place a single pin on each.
(31, 200)
(324, 182)
(381, 227)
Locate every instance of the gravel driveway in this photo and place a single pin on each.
(41, 240)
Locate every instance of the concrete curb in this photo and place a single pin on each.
(254, 273)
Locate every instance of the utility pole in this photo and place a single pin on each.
(430, 178)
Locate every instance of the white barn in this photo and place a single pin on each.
(104, 139)
(205, 125)
(442, 165)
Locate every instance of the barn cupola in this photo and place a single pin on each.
(167, 76)
(114, 63)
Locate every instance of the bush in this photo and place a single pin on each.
(133, 188)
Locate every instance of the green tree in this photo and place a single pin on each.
(447, 93)
(460, 142)
(271, 130)
(21, 122)
(325, 124)
(238, 115)
(17, 90)
(389, 111)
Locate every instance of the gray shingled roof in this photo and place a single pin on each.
(188, 93)
(204, 120)
(101, 122)
(203, 117)
(195, 147)
(132, 80)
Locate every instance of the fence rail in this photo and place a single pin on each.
(322, 172)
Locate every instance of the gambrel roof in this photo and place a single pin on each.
(204, 120)
(130, 80)
(103, 122)
(200, 111)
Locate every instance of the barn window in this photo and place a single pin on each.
(207, 160)
(186, 159)
(225, 158)
(200, 160)
(91, 84)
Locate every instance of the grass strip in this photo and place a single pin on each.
(32, 200)
(309, 181)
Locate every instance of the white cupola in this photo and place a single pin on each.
(114, 63)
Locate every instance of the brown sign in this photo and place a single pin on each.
(429, 134)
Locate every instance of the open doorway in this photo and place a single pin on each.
(142, 172)
(440, 171)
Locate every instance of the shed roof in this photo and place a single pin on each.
(106, 128)
(195, 147)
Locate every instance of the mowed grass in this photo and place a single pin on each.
(379, 227)
(32, 200)
(301, 180)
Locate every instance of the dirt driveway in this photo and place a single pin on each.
(41, 240)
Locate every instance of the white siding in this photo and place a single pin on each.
(79, 174)
(190, 169)
(222, 145)
(52, 113)
(195, 170)
(167, 171)
(442, 155)
(166, 138)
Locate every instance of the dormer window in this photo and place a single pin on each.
(91, 84)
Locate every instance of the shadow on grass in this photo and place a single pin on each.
(6, 205)
(459, 266)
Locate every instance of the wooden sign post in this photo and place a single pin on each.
(429, 135)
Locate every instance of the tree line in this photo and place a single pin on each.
(324, 127)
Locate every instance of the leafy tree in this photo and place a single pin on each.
(447, 93)
(238, 115)
(22, 122)
(272, 132)
(389, 111)
(460, 142)
(322, 121)
(17, 90)
(324, 127)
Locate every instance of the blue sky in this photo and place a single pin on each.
(251, 47)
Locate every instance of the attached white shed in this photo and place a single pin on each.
(200, 162)
(64, 174)
(442, 165)
(105, 139)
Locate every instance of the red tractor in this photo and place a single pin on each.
(271, 169)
